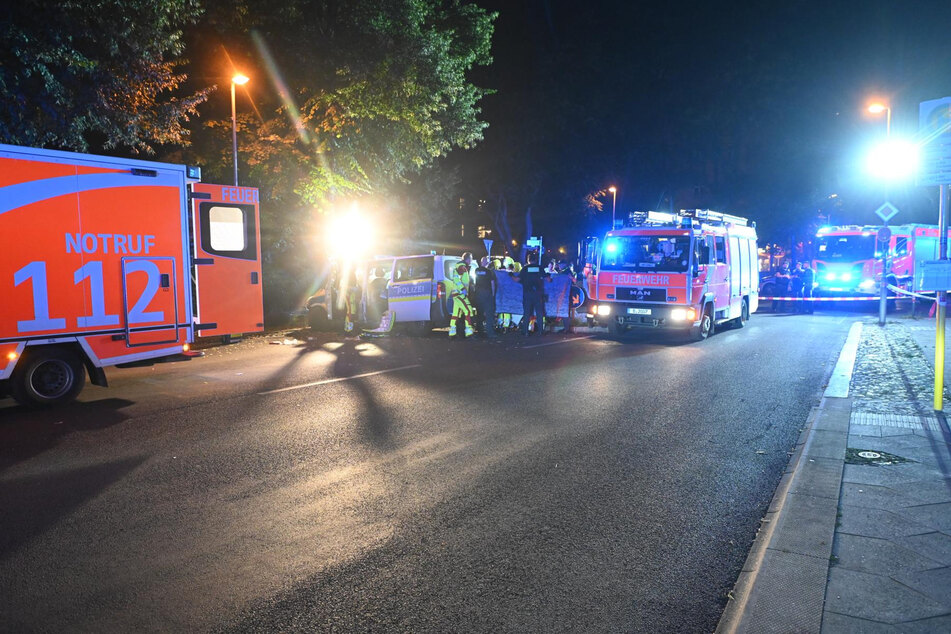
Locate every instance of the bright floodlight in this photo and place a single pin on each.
(876, 108)
(612, 189)
(893, 160)
(349, 234)
(240, 79)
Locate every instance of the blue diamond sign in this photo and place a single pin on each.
(886, 212)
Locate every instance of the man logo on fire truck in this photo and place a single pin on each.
(109, 261)
(692, 271)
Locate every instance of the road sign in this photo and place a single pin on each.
(934, 132)
(488, 246)
(886, 212)
(884, 234)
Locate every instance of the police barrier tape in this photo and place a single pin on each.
(824, 299)
(910, 294)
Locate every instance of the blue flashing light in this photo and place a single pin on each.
(611, 247)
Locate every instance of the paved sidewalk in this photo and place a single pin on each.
(858, 537)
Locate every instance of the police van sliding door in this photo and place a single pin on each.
(227, 259)
(411, 288)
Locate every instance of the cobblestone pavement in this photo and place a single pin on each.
(891, 558)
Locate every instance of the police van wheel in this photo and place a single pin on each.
(47, 376)
(705, 329)
(317, 320)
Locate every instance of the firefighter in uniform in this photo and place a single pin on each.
(352, 298)
(459, 293)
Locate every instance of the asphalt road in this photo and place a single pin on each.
(529, 485)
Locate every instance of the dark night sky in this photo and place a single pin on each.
(755, 108)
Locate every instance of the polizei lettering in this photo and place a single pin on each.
(641, 279)
(109, 243)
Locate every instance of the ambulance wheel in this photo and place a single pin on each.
(705, 329)
(47, 376)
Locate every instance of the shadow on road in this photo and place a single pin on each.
(25, 433)
(33, 504)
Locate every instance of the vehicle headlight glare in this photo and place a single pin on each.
(678, 314)
(867, 283)
(846, 277)
(830, 277)
(604, 309)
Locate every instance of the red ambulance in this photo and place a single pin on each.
(107, 261)
(690, 271)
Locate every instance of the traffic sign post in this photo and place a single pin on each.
(934, 128)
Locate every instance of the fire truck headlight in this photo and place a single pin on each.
(678, 314)
(867, 284)
(845, 277)
(830, 277)
(604, 310)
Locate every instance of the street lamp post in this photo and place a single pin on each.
(239, 80)
(878, 108)
(613, 191)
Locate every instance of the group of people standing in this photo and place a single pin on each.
(473, 294)
(797, 283)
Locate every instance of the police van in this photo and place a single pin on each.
(414, 290)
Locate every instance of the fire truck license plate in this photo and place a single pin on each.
(638, 311)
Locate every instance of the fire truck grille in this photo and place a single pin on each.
(639, 294)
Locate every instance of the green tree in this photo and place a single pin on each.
(105, 72)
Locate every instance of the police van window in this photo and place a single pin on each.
(414, 269)
(228, 230)
(721, 249)
(901, 246)
(449, 267)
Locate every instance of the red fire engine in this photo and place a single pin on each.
(848, 258)
(107, 261)
(691, 271)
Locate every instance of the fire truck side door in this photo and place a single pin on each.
(227, 259)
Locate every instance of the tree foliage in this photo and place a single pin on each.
(371, 91)
(106, 70)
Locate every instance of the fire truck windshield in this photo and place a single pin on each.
(646, 253)
(846, 248)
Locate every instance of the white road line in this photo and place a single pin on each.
(842, 373)
(339, 379)
(554, 343)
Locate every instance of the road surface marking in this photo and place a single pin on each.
(842, 373)
(339, 379)
(552, 343)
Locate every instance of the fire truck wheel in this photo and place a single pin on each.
(615, 329)
(47, 376)
(705, 329)
(744, 317)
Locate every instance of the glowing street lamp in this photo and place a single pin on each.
(613, 191)
(239, 80)
(878, 108)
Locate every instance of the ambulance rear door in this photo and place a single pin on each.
(227, 260)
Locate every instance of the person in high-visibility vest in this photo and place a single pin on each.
(458, 288)
(352, 298)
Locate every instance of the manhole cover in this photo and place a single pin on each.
(868, 457)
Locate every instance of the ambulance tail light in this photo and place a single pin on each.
(604, 310)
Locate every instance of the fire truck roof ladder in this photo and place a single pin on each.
(714, 217)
